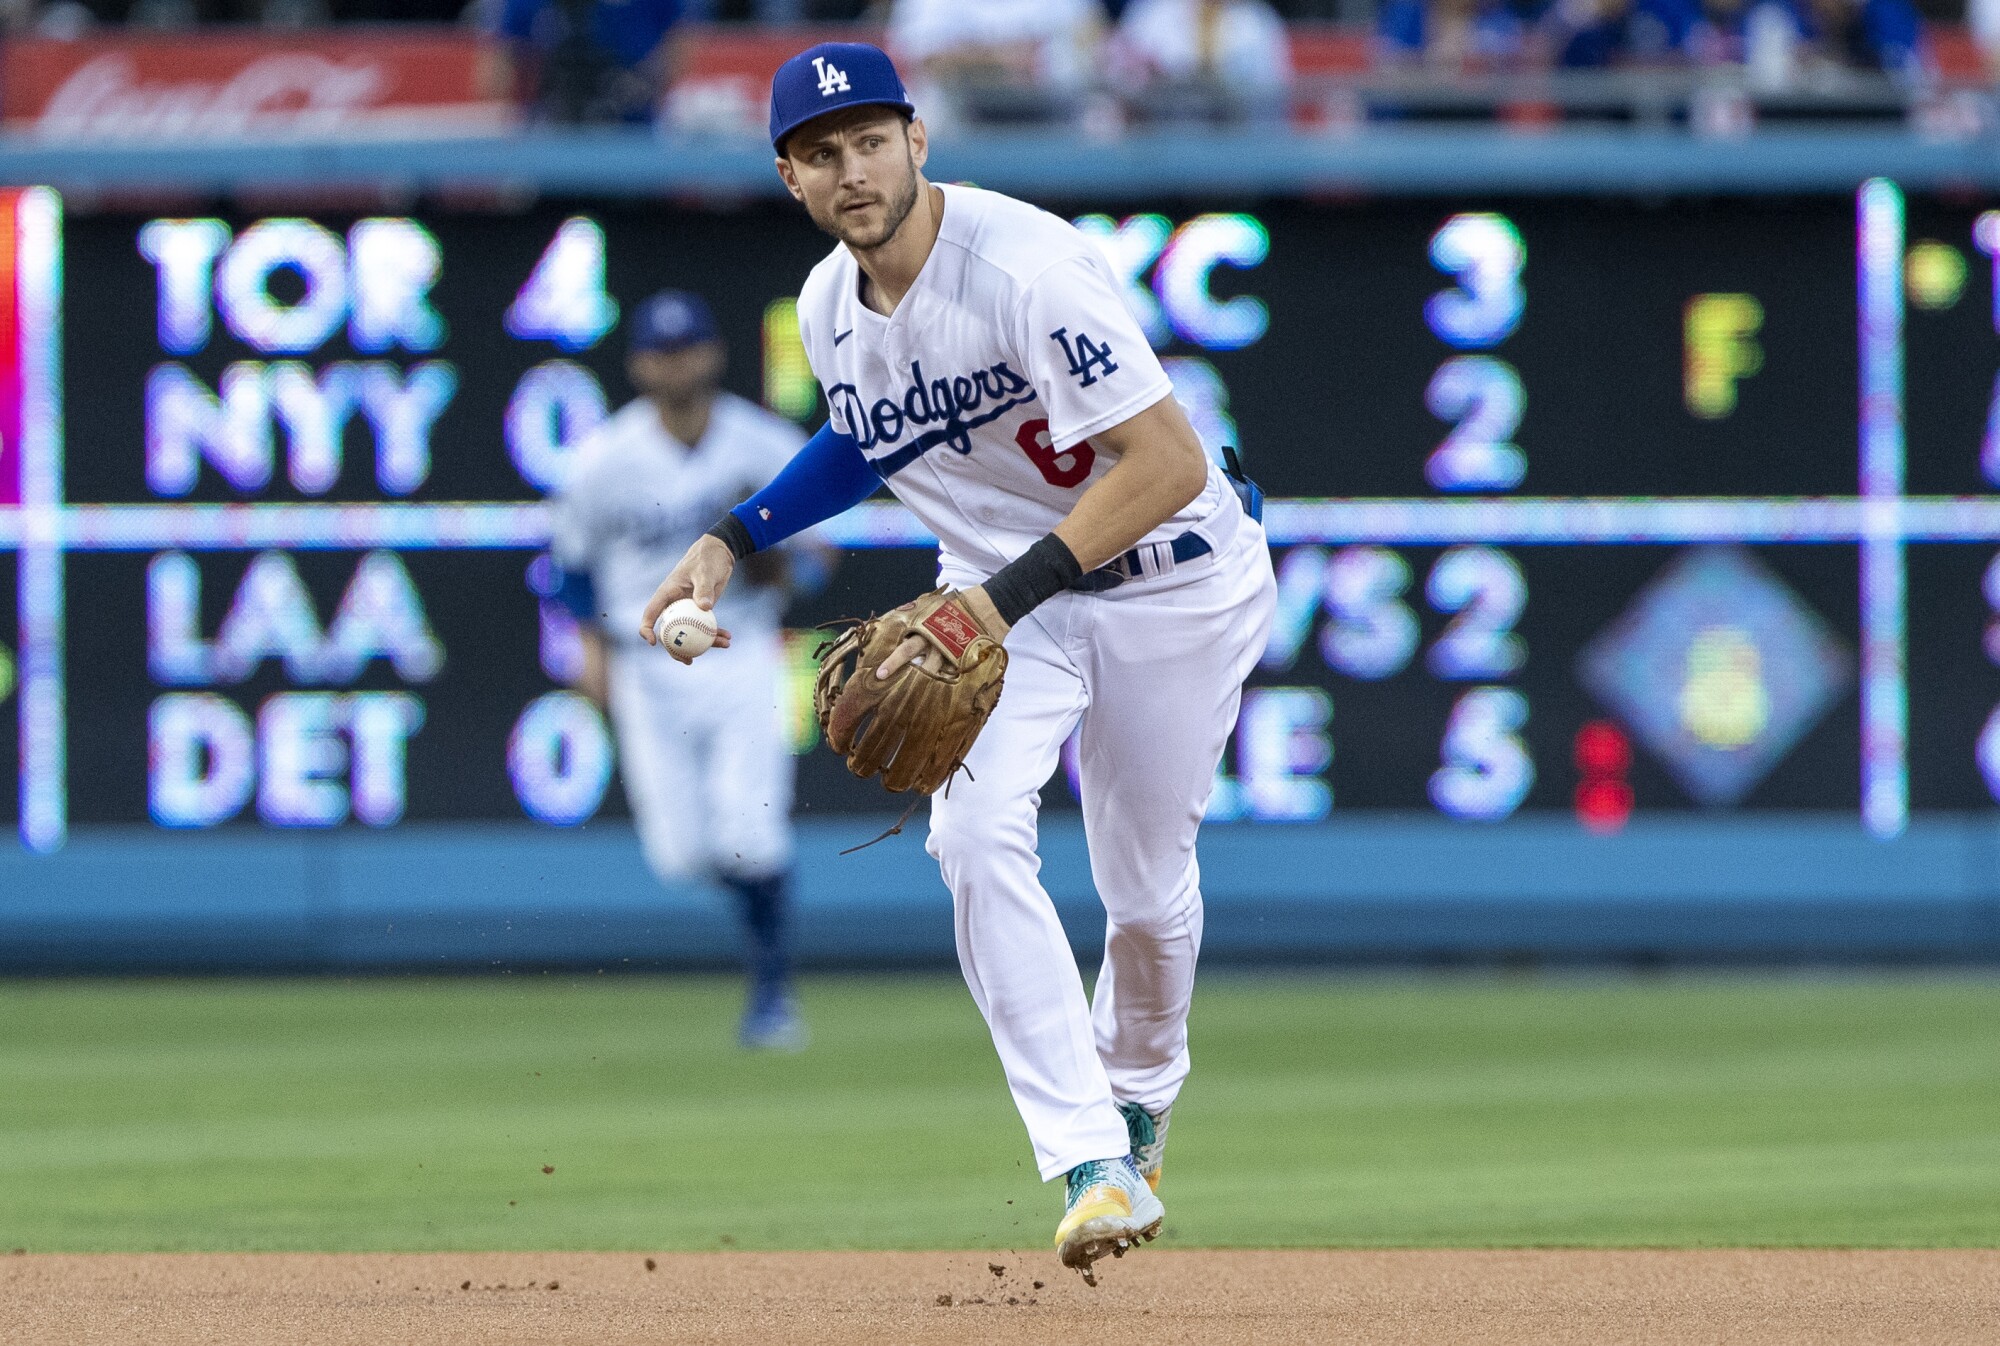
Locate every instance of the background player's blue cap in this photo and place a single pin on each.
(670, 320)
(829, 76)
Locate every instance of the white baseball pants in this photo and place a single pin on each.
(704, 755)
(1153, 672)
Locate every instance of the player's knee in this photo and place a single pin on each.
(962, 836)
(1154, 905)
(752, 853)
(1157, 926)
(670, 859)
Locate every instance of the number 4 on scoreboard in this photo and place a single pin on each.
(563, 299)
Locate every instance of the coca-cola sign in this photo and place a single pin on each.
(158, 88)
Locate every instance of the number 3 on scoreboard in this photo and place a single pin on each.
(1484, 253)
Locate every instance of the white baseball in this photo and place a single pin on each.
(685, 628)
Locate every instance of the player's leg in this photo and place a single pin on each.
(1166, 671)
(657, 743)
(1013, 951)
(748, 775)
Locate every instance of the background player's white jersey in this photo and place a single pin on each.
(977, 397)
(637, 499)
(702, 747)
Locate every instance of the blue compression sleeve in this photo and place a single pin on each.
(827, 477)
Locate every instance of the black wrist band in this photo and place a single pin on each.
(733, 534)
(1039, 574)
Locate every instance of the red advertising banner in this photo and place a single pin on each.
(726, 70)
(331, 82)
(417, 81)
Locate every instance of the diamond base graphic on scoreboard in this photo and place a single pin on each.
(1719, 669)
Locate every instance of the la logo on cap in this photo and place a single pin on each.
(832, 79)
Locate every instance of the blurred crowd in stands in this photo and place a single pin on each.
(1771, 38)
(1150, 60)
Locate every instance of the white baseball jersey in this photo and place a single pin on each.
(977, 398)
(702, 747)
(637, 498)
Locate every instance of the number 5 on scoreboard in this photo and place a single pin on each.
(1486, 770)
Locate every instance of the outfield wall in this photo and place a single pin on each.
(472, 898)
(613, 163)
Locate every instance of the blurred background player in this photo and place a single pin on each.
(703, 747)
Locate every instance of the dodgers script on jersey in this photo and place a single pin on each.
(637, 499)
(977, 398)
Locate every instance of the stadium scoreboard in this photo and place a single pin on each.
(1576, 504)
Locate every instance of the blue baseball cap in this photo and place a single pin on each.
(830, 76)
(671, 320)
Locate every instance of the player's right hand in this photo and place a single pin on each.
(701, 575)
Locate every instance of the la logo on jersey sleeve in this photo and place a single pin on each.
(1087, 359)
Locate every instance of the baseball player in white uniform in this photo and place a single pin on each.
(978, 356)
(704, 751)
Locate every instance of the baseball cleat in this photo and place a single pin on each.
(1108, 1209)
(773, 1025)
(1148, 1131)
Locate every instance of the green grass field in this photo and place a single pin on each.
(1323, 1112)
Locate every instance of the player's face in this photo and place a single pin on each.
(677, 376)
(856, 173)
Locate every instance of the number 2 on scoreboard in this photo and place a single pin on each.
(1484, 397)
(1372, 634)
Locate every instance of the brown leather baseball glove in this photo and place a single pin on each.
(914, 727)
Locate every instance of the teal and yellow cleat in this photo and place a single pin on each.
(1148, 1131)
(1108, 1209)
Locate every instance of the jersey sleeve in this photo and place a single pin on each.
(1088, 360)
(573, 548)
(572, 539)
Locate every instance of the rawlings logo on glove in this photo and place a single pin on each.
(914, 727)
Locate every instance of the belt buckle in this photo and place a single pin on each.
(1126, 567)
(1106, 577)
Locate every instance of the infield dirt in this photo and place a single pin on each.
(1547, 1297)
